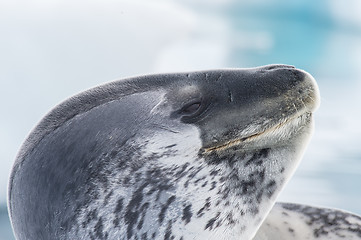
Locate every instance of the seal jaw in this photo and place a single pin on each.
(281, 129)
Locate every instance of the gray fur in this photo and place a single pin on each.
(198, 155)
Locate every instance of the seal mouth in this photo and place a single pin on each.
(295, 122)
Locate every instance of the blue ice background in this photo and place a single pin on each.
(50, 50)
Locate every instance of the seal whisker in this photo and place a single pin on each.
(303, 103)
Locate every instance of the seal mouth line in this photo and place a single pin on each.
(238, 141)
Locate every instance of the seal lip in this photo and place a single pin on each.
(278, 127)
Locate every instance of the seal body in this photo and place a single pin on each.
(199, 155)
(299, 222)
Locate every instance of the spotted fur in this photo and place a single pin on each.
(177, 200)
(300, 222)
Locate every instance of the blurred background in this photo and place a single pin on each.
(50, 50)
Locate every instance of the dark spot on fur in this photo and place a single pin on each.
(230, 219)
(225, 193)
(126, 180)
(211, 222)
(206, 207)
(214, 172)
(164, 209)
(113, 154)
(92, 215)
(132, 211)
(119, 206)
(254, 210)
(259, 196)
(214, 183)
(143, 210)
(170, 146)
(199, 179)
(181, 172)
(186, 184)
(187, 213)
(258, 157)
(168, 231)
(271, 188)
(98, 229)
(247, 186)
(107, 197)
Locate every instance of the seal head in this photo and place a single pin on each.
(198, 155)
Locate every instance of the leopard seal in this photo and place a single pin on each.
(198, 155)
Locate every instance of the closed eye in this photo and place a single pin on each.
(193, 111)
(191, 108)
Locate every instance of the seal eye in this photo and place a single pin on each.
(191, 108)
(192, 112)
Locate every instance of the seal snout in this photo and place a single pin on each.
(269, 104)
(298, 88)
(310, 88)
(305, 91)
